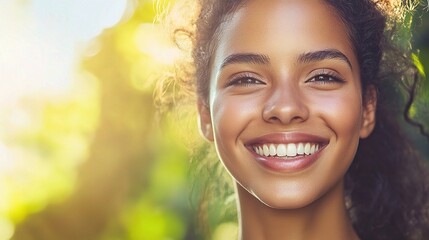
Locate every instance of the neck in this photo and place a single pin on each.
(326, 218)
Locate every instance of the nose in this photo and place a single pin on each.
(285, 105)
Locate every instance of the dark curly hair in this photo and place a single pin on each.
(386, 187)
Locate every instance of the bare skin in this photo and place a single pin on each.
(284, 78)
(323, 220)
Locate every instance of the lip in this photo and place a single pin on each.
(291, 137)
(290, 164)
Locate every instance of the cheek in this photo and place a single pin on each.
(350, 116)
(223, 123)
(231, 115)
(343, 116)
(342, 113)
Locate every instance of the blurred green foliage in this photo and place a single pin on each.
(100, 164)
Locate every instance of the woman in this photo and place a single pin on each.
(293, 96)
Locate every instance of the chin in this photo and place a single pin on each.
(299, 198)
(287, 204)
(288, 200)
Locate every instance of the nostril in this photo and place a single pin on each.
(297, 119)
(274, 119)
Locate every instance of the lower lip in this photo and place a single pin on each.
(287, 165)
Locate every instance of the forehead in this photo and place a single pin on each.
(283, 28)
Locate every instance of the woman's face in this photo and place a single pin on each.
(285, 106)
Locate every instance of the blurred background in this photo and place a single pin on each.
(83, 154)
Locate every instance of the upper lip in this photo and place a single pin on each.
(287, 137)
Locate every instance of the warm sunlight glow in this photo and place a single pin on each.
(157, 46)
(48, 104)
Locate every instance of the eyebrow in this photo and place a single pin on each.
(322, 55)
(245, 58)
(255, 58)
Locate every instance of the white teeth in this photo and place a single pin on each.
(256, 149)
(286, 150)
(300, 149)
(272, 150)
(307, 148)
(281, 150)
(312, 149)
(266, 150)
(291, 150)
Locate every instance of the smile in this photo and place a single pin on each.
(286, 150)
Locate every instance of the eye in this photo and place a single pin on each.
(326, 77)
(245, 80)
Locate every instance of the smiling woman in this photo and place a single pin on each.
(306, 94)
(294, 95)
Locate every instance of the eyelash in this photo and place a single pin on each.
(330, 77)
(247, 79)
(244, 80)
